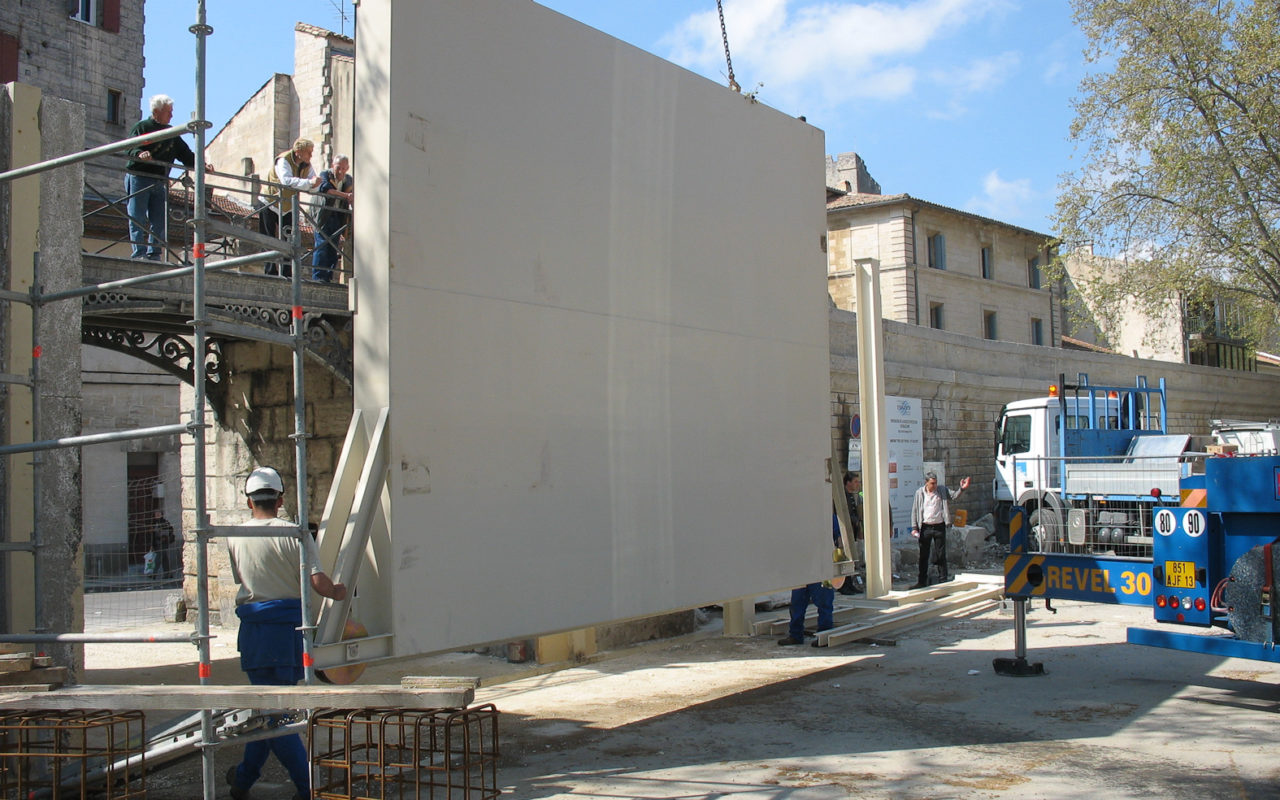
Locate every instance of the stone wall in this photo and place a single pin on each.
(80, 62)
(964, 381)
(255, 430)
(258, 131)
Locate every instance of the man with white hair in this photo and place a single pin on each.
(334, 219)
(291, 173)
(147, 181)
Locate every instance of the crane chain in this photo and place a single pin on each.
(724, 36)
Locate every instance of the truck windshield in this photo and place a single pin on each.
(1015, 435)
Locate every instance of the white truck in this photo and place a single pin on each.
(1088, 463)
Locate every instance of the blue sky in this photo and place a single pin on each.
(965, 103)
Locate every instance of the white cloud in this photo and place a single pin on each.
(829, 52)
(981, 75)
(1001, 199)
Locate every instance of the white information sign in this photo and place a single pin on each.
(906, 459)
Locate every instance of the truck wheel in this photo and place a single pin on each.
(1046, 527)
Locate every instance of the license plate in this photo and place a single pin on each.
(1180, 574)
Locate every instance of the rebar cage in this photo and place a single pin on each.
(403, 754)
(72, 754)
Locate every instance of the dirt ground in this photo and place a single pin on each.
(706, 716)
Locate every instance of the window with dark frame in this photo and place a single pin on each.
(101, 14)
(988, 267)
(115, 107)
(936, 319)
(938, 251)
(1033, 272)
(1037, 332)
(84, 10)
(989, 325)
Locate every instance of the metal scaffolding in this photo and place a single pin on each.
(196, 427)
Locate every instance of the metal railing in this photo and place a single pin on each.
(234, 225)
(1101, 505)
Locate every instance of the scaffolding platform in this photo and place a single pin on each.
(454, 693)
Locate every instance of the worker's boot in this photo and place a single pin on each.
(236, 792)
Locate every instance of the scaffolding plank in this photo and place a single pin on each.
(194, 698)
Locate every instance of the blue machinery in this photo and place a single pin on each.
(1215, 560)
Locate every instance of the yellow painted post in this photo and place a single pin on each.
(24, 227)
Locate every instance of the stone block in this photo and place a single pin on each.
(243, 357)
(329, 418)
(272, 388)
(175, 608)
(972, 545)
(319, 384)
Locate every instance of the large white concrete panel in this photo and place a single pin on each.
(592, 292)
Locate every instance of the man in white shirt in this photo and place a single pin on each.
(290, 173)
(930, 514)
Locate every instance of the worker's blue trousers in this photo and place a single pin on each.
(823, 597)
(289, 749)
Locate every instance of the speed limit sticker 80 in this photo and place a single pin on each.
(1193, 522)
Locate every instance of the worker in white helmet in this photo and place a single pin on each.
(269, 606)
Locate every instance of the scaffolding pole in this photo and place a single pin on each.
(197, 425)
(37, 528)
(201, 30)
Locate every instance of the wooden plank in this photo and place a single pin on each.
(778, 625)
(909, 596)
(31, 687)
(44, 675)
(16, 663)
(892, 600)
(908, 616)
(194, 698)
(439, 682)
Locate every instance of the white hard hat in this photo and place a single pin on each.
(264, 482)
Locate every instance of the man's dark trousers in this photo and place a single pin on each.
(933, 549)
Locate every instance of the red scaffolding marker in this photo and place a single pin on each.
(204, 670)
(198, 250)
(297, 312)
(308, 660)
(37, 351)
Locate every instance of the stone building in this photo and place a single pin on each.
(86, 51)
(1186, 332)
(315, 102)
(940, 267)
(90, 52)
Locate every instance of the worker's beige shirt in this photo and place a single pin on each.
(266, 567)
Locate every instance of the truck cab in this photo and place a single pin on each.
(1082, 446)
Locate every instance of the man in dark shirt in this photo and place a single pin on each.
(334, 219)
(147, 180)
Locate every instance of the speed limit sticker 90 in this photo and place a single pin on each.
(1193, 523)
